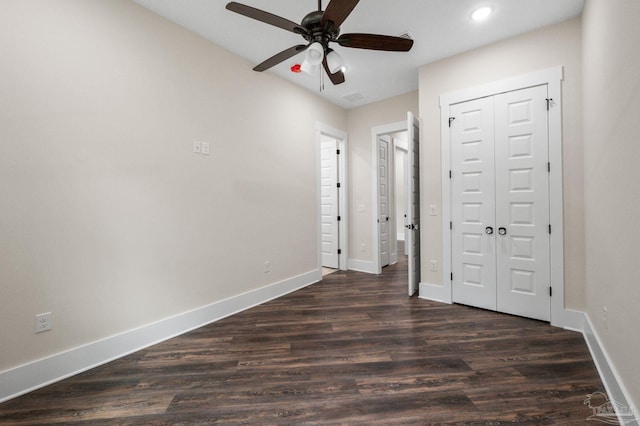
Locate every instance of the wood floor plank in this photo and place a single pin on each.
(353, 349)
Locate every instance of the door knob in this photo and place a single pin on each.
(502, 231)
(488, 230)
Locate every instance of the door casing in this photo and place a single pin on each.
(552, 77)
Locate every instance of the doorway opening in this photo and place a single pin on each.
(395, 146)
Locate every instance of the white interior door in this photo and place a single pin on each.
(413, 211)
(522, 203)
(329, 229)
(473, 253)
(384, 142)
(500, 203)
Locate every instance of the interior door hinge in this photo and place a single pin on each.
(549, 100)
(338, 184)
(451, 120)
(549, 167)
(339, 251)
(450, 225)
(550, 291)
(338, 152)
(339, 218)
(549, 228)
(450, 174)
(452, 276)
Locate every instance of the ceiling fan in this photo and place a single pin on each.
(319, 28)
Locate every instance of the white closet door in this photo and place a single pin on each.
(329, 202)
(473, 204)
(522, 203)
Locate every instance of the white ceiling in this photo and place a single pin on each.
(440, 28)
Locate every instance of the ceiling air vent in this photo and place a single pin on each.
(353, 97)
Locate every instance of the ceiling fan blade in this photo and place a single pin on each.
(338, 10)
(266, 17)
(279, 57)
(336, 78)
(375, 42)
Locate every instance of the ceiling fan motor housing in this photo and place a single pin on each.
(317, 31)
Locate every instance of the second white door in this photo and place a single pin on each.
(329, 204)
(384, 143)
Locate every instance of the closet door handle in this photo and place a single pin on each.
(488, 230)
(502, 231)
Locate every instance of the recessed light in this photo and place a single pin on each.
(481, 14)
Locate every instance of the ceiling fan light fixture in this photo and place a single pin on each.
(334, 61)
(314, 54)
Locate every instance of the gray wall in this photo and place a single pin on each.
(612, 199)
(108, 219)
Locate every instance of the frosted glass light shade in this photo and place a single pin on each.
(308, 68)
(314, 54)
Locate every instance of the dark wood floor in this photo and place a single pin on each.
(353, 349)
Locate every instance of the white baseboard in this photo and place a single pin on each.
(434, 292)
(568, 319)
(29, 377)
(613, 384)
(362, 266)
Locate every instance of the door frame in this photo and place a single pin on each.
(552, 77)
(343, 195)
(377, 131)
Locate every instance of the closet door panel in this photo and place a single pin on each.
(522, 203)
(473, 204)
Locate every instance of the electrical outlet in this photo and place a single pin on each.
(434, 266)
(267, 267)
(206, 148)
(43, 322)
(433, 210)
(363, 248)
(197, 148)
